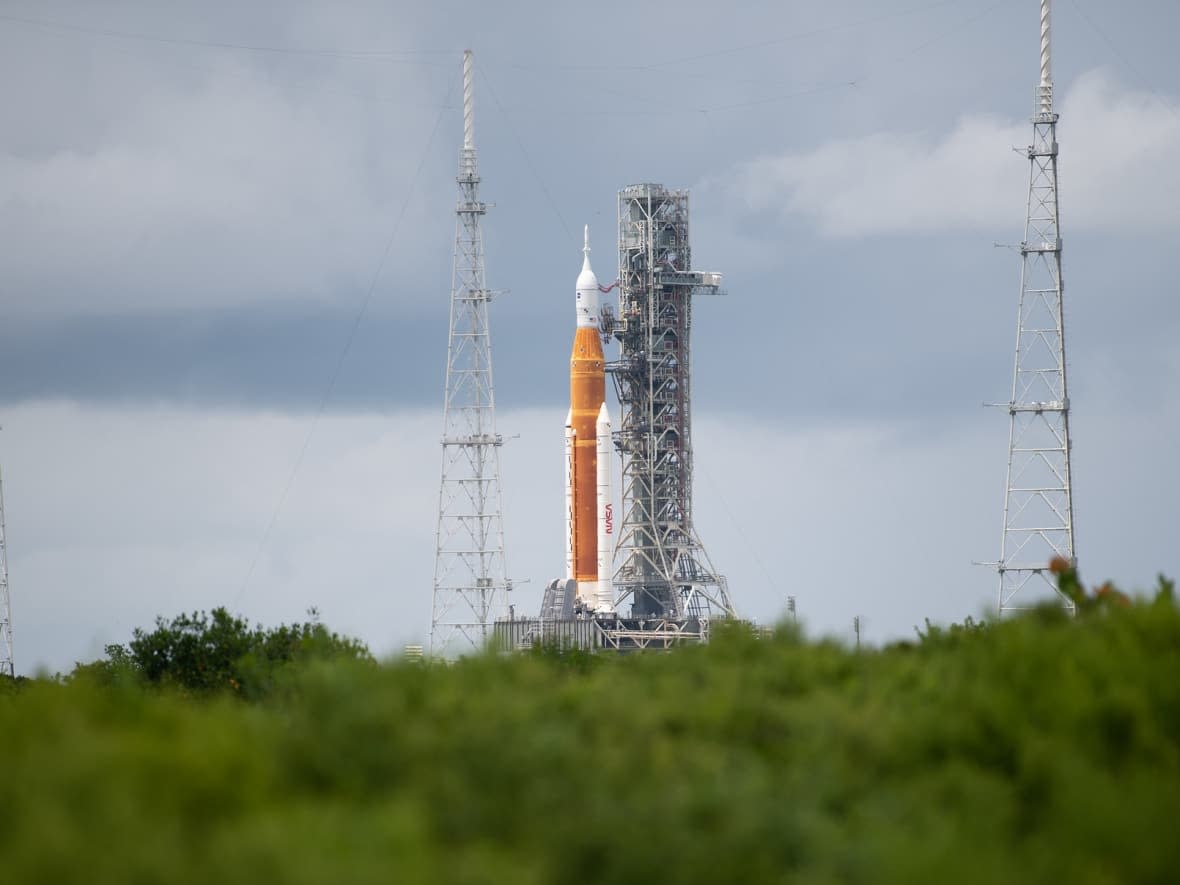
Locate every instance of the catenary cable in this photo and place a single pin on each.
(348, 342)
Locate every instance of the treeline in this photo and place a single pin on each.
(1040, 749)
(202, 654)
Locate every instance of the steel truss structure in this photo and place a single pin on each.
(1038, 503)
(663, 569)
(470, 576)
(595, 633)
(7, 662)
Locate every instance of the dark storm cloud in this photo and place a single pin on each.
(243, 171)
(217, 214)
(248, 360)
(252, 359)
(928, 332)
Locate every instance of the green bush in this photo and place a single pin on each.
(203, 654)
(1033, 750)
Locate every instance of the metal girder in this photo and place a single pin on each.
(470, 576)
(7, 662)
(662, 569)
(1038, 499)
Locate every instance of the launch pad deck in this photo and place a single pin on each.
(599, 632)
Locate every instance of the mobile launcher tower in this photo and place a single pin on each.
(663, 569)
(664, 588)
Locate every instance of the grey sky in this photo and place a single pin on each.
(196, 198)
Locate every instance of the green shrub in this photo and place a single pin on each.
(1037, 749)
(203, 654)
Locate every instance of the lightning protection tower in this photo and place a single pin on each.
(470, 578)
(663, 568)
(7, 663)
(1038, 502)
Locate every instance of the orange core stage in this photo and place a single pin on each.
(587, 394)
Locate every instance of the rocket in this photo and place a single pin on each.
(589, 513)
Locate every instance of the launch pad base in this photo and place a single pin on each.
(599, 633)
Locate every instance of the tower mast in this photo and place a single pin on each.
(1038, 501)
(7, 663)
(470, 578)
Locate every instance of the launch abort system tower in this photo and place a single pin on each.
(662, 567)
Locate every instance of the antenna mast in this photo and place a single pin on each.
(1038, 502)
(470, 578)
(7, 664)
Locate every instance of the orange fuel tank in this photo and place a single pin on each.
(587, 394)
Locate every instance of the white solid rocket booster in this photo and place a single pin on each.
(569, 496)
(606, 521)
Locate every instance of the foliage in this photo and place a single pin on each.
(10, 685)
(201, 653)
(1035, 750)
(1105, 595)
(935, 634)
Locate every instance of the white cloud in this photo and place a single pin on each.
(118, 515)
(1117, 170)
(230, 183)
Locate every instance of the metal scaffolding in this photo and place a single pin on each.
(470, 577)
(1038, 502)
(663, 568)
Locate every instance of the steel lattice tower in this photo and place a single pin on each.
(470, 578)
(1038, 503)
(662, 565)
(7, 663)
